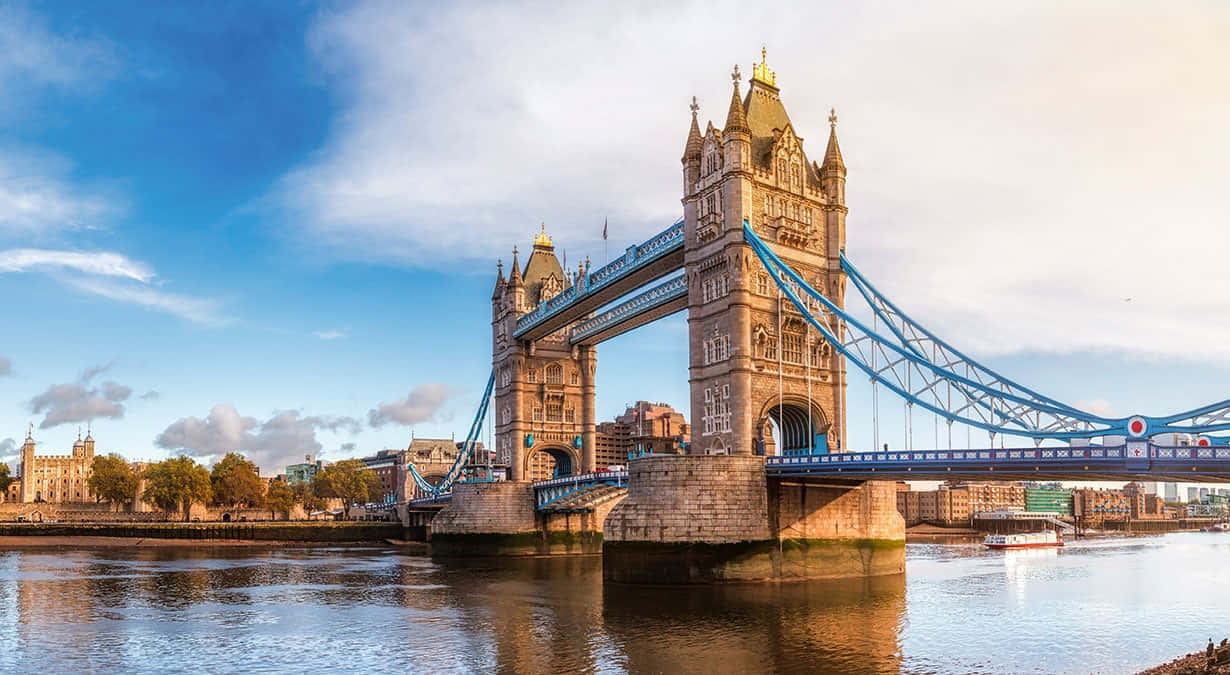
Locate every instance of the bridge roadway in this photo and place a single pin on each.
(640, 265)
(1136, 460)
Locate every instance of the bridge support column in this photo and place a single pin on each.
(697, 519)
(486, 519)
(589, 363)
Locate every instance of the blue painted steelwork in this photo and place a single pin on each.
(431, 501)
(635, 258)
(659, 295)
(467, 448)
(983, 399)
(548, 491)
(1133, 459)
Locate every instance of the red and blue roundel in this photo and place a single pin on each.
(1137, 427)
(1203, 441)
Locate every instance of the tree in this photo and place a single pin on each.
(113, 479)
(306, 495)
(176, 483)
(279, 497)
(349, 480)
(234, 481)
(5, 479)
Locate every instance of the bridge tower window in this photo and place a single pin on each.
(570, 415)
(537, 413)
(554, 412)
(574, 378)
(555, 374)
(531, 375)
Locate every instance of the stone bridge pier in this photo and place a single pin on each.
(702, 519)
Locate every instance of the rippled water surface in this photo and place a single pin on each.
(1098, 606)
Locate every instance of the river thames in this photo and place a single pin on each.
(1108, 605)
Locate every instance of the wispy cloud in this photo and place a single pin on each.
(114, 277)
(102, 263)
(6, 366)
(38, 196)
(198, 310)
(330, 334)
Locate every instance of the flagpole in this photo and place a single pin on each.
(606, 258)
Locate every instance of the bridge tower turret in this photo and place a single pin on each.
(544, 389)
(755, 363)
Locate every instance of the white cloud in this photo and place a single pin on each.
(112, 276)
(197, 310)
(32, 55)
(102, 263)
(330, 334)
(422, 404)
(1013, 175)
(6, 366)
(38, 196)
(80, 401)
(1097, 406)
(282, 439)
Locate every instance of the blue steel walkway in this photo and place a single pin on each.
(1134, 460)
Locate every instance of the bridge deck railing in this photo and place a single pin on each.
(633, 259)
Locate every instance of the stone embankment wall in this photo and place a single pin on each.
(282, 532)
(106, 513)
(699, 519)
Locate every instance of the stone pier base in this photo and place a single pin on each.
(499, 519)
(704, 519)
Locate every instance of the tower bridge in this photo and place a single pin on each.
(768, 488)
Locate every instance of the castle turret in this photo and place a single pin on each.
(89, 443)
(737, 135)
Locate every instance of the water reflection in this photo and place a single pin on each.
(1110, 605)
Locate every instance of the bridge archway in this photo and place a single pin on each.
(786, 427)
(550, 461)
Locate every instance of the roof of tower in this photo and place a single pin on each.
(541, 266)
(832, 154)
(767, 118)
(736, 118)
(695, 143)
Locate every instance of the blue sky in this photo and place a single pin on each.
(257, 224)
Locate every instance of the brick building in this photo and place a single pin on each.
(1093, 507)
(643, 428)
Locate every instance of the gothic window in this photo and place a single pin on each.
(767, 201)
(506, 415)
(716, 348)
(711, 201)
(555, 412)
(762, 284)
(781, 170)
(820, 353)
(574, 378)
(531, 375)
(537, 413)
(555, 374)
(570, 415)
(792, 348)
(794, 175)
(713, 288)
(505, 377)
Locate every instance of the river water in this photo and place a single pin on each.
(1111, 605)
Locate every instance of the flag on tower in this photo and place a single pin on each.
(604, 229)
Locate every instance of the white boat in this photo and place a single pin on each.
(1044, 539)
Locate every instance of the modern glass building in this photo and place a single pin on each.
(1053, 499)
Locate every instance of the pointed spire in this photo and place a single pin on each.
(30, 432)
(693, 148)
(832, 154)
(499, 279)
(736, 120)
(514, 277)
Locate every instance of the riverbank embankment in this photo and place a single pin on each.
(57, 534)
(1213, 659)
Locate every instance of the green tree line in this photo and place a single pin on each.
(177, 483)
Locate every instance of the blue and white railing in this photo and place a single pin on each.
(657, 296)
(634, 258)
(549, 491)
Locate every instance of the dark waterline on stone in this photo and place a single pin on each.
(1109, 606)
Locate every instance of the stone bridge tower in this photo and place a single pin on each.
(754, 360)
(544, 389)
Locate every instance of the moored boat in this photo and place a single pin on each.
(1044, 539)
